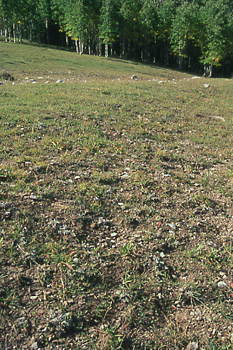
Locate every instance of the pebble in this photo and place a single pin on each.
(222, 274)
(222, 285)
(173, 226)
(114, 234)
(32, 196)
(218, 118)
(192, 346)
(35, 346)
(206, 85)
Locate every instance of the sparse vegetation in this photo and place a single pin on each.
(115, 204)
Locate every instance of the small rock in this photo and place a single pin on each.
(59, 81)
(206, 85)
(134, 77)
(218, 118)
(222, 274)
(35, 346)
(222, 285)
(192, 346)
(101, 221)
(125, 176)
(94, 225)
(31, 80)
(173, 226)
(32, 196)
(8, 214)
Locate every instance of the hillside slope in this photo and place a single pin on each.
(115, 204)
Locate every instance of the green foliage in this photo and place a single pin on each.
(217, 19)
(199, 32)
(109, 21)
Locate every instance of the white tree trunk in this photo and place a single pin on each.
(47, 29)
(6, 35)
(89, 46)
(208, 70)
(14, 32)
(81, 45)
(67, 42)
(106, 50)
(76, 46)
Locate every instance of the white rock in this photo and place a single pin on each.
(222, 285)
(218, 118)
(35, 346)
(173, 226)
(192, 346)
(125, 176)
(114, 234)
(206, 85)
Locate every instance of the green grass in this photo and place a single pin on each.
(115, 204)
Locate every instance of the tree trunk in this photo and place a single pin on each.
(6, 35)
(100, 47)
(47, 30)
(181, 62)
(20, 33)
(89, 46)
(154, 49)
(67, 42)
(9, 34)
(106, 50)
(14, 32)
(81, 45)
(76, 45)
(208, 70)
(30, 32)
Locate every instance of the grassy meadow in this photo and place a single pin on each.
(115, 204)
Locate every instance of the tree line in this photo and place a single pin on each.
(189, 34)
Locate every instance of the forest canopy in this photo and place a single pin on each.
(189, 34)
